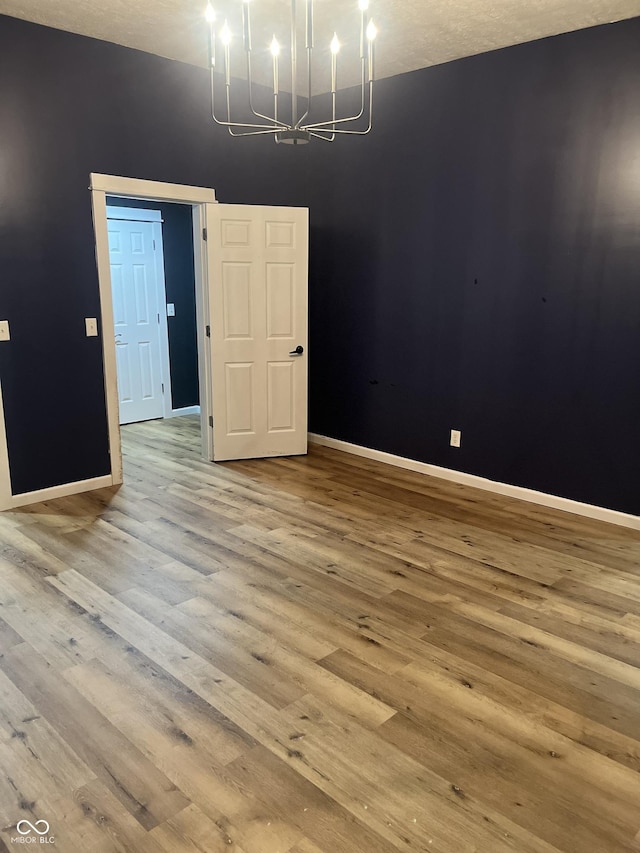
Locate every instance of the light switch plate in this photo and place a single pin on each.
(171, 309)
(4, 330)
(91, 325)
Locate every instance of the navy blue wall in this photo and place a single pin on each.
(474, 261)
(476, 265)
(180, 286)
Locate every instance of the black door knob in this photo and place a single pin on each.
(297, 351)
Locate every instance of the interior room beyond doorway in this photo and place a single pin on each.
(154, 298)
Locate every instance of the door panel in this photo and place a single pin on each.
(236, 295)
(240, 393)
(280, 235)
(280, 396)
(280, 300)
(136, 319)
(258, 259)
(124, 372)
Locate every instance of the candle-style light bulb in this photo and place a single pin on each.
(225, 35)
(335, 47)
(246, 25)
(274, 47)
(372, 32)
(210, 15)
(363, 5)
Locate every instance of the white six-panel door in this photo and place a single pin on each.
(258, 276)
(136, 316)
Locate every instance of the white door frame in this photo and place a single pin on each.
(198, 197)
(153, 218)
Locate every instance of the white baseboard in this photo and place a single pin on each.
(187, 410)
(62, 491)
(611, 516)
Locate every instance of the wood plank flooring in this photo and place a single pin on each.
(318, 654)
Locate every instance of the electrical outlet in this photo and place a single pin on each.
(456, 437)
(91, 326)
(4, 330)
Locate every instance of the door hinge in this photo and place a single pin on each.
(162, 384)
(211, 420)
(158, 318)
(204, 233)
(208, 331)
(154, 245)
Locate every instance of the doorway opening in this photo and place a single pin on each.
(153, 287)
(136, 311)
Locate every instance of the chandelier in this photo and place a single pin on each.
(295, 128)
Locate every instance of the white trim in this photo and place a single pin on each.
(186, 410)
(155, 190)
(200, 260)
(101, 229)
(5, 476)
(198, 197)
(134, 214)
(622, 519)
(62, 491)
(165, 363)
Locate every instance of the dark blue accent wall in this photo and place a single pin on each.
(474, 262)
(180, 286)
(476, 266)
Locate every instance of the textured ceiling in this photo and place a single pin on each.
(412, 33)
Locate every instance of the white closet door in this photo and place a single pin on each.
(136, 320)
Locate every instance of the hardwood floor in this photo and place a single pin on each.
(318, 654)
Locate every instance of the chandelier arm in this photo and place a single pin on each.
(230, 124)
(228, 99)
(317, 135)
(334, 102)
(255, 112)
(260, 128)
(253, 132)
(353, 132)
(320, 124)
(350, 132)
